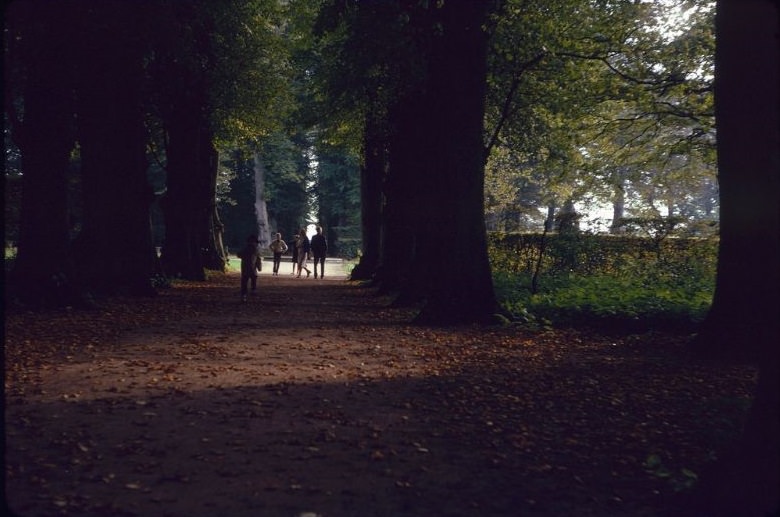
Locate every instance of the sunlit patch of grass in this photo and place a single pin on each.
(606, 300)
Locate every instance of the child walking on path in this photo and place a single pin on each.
(251, 263)
(278, 247)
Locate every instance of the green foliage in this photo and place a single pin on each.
(9, 258)
(336, 192)
(605, 280)
(594, 101)
(286, 176)
(348, 248)
(288, 171)
(228, 57)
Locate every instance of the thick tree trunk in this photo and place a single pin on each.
(453, 233)
(414, 157)
(115, 249)
(744, 315)
(188, 202)
(43, 274)
(401, 212)
(372, 176)
(746, 295)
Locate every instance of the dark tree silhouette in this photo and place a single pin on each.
(372, 176)
(39, 78)
(406, 169)
(744, 317)
(114, 249)
(180, 71)
(451, 220)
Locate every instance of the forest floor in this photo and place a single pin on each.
(315, 398)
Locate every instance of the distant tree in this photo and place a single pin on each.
(572, 103)
(286, 175)
(236, 203)
(288, 168)
(336, 190)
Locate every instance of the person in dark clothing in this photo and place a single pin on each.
(319, 248)
(294, 247)
(250, 264)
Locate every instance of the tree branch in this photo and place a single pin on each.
(507, 104)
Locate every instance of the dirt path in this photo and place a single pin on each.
(315, 399)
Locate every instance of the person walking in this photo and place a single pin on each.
(304, 248)
(277, 247)
(295, 253)
(319, 248)
(250, 264)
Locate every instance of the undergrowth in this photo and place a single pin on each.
(603, 300)
(625, 289)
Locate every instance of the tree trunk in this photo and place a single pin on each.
(115, 249)
(453, 234)
(618, 202)
(261, 208)
(400, 213)
(189, 199)
(43, 273)
(568, 219)
(743, 319)
(411, 162)
(214, 257)
(746, 295)
(217, 240)
(549, 222)
(372, 176)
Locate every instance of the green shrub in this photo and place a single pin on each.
(605, 280)
(9, 258)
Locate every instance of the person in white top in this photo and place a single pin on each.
(278, 247)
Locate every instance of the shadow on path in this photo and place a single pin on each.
(314, 398)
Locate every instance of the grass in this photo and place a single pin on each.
(234, 264)
(645, 301)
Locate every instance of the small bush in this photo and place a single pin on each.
(606, 281)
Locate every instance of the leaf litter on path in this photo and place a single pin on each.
(316, 398)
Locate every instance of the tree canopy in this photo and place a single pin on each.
(613, 109)
(616, 111)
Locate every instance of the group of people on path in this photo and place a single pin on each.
(302, 250)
